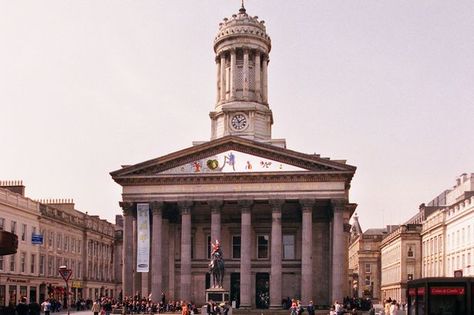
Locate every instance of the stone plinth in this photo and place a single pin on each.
(217, 295)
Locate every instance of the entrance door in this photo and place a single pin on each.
(262, 287)
(235, 288)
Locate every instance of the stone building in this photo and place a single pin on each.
(51, 233)
(448, 234)
(281, 216)
(19, 272)
(364, 261)
(400, 260)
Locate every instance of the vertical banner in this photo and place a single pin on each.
(143, 237)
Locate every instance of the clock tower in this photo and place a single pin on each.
(242, 47)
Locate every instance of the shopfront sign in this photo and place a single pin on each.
(447, 291)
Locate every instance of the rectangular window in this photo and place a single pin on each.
(288, 246)
(41, 264)
(33, 264)
(12, 263)
(1, 263)
(2, 295)
(66, 243)
(411, 251)
(22, 262)
(59, 241)
(262, 246)
(50, 266)
(236, 246)
(23, 232)
(79, 270)
(51, 239)
(368, 268)
(79, 248)
(13, 227)
(58, 264)
(367, 280)
(2, 224)
(33, 231)
(73, 268)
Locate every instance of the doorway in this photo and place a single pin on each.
(235, 288)
(262, 288)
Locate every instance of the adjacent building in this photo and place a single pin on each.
(51, 233)
(281, 216)
(364, 261)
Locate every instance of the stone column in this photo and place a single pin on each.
(258, 87)
(233, 73)
(127, 271)
(218, 81)
(216, 206)
(222, 80)
(246, 254)
(338, 254)
(276, 255)
(307, 251)
(157, 251)
(137, 279)
(245, 74)
(265, 79)
(185, 209)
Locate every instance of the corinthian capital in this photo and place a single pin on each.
(127, 208)
(157, 207)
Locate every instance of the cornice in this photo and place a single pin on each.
(178, 179)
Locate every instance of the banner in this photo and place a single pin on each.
(143, 237)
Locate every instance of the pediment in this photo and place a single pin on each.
(233, 155)
(232, 161)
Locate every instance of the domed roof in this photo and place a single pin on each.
(242, 25)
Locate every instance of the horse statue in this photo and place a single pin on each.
(216, 266)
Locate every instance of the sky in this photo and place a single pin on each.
(87, 86)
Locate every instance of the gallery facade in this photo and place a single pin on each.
(280, 216)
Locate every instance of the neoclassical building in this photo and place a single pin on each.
(280, 216)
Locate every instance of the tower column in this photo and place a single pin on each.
(307, 251)
(185, 209)
(127, 271)
(216, 206)
(245, 72)
(258, 88)
(245, 255)
(218, 79)
(276, 255)
(265, 79)
(157, 250)
(233, 72)
(222, 83)
(338, 254)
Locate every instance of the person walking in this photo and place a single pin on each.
(46, 307)
(310, 308)
(22, 308)
(95, 307)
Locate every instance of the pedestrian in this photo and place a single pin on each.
(95, 307)
(22, 308)
(35, 308)
(338, 308)
(46, 307)
(310, 308)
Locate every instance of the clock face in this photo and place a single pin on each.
(239, 122)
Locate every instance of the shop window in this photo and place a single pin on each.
(2, 295)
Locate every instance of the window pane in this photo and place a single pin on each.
(236, 246)
(289, 246)
(263, 246)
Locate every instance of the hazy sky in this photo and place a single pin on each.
(87, 86)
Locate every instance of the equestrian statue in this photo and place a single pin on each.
(216, 266)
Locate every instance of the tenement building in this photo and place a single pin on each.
(280, 216)
(51, 233)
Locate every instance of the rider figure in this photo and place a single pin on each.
(216, 250)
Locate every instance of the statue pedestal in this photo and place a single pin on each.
(217, 295)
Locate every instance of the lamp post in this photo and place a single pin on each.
(66, 274)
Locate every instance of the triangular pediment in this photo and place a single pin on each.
(233, 155)
(232, 161)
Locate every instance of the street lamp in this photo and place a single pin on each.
(66, 274)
